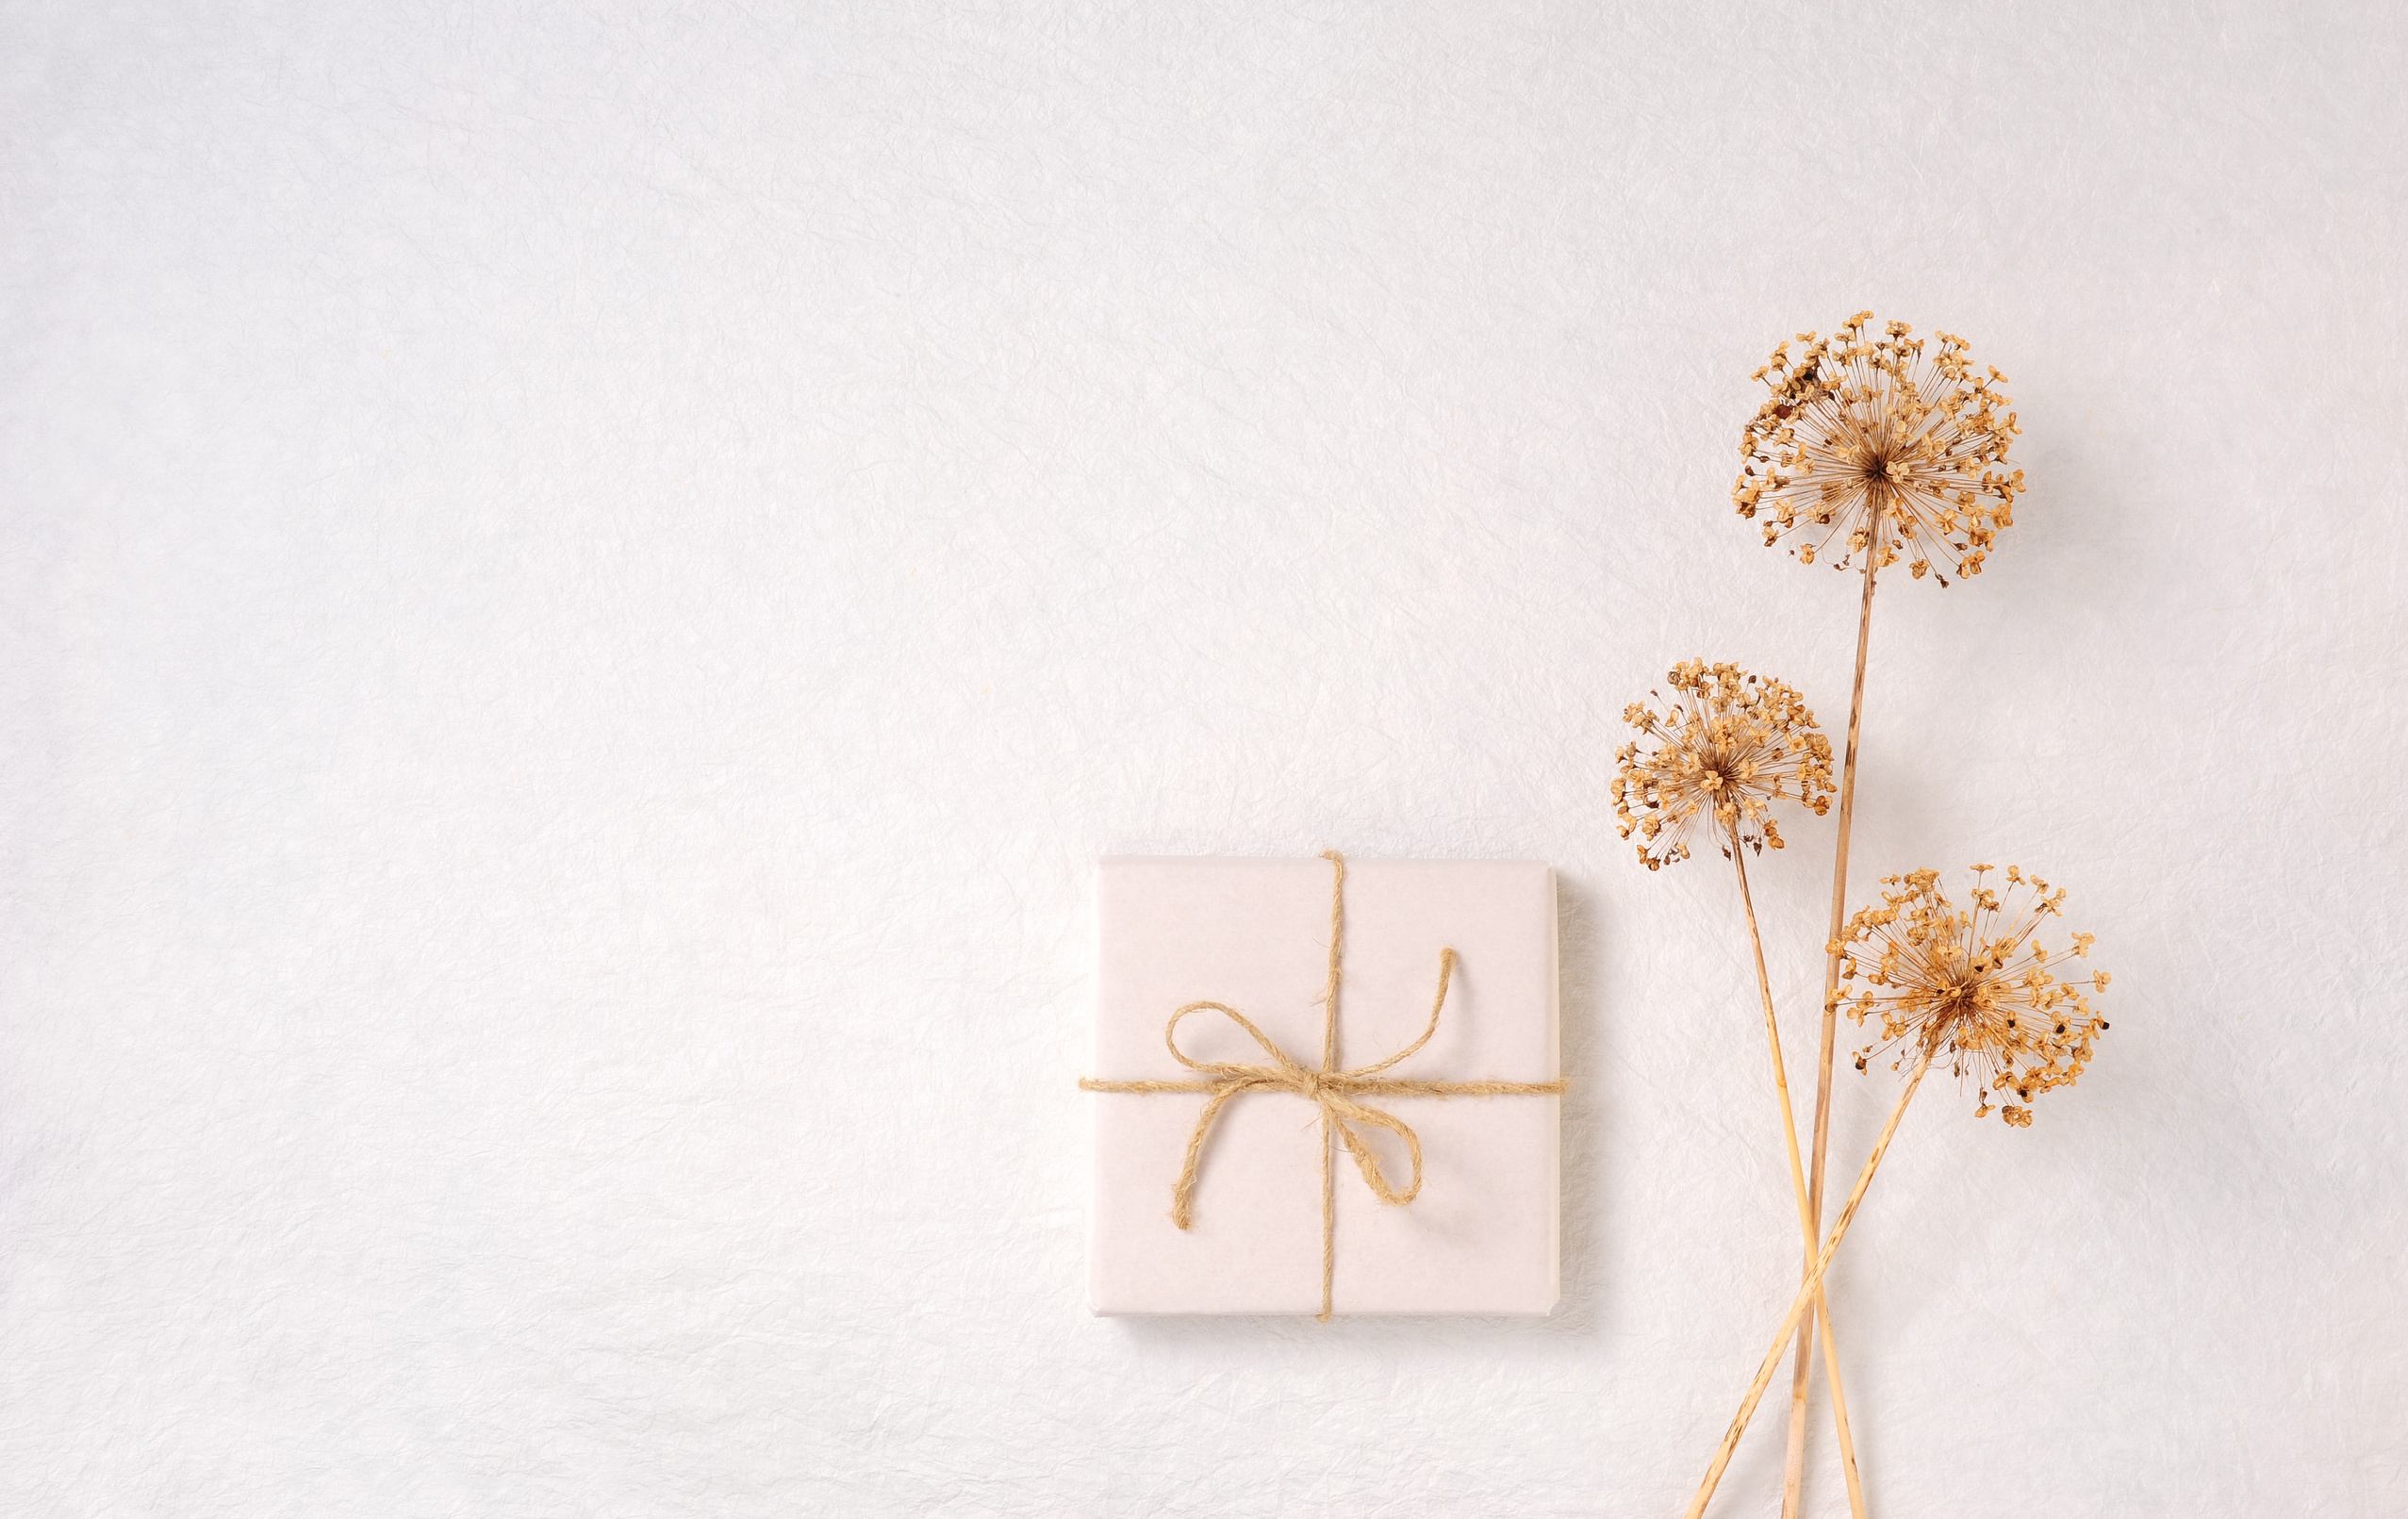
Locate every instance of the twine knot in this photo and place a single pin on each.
(1333, 1089)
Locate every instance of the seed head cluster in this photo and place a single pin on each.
(1874, 444)
(1971, 985)
(1725, 746)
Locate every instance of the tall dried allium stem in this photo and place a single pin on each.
(1793, 1464)
(1808, 1223)
(1810, 1293)
(1869, 443)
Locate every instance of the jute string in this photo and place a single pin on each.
(1335, 1091)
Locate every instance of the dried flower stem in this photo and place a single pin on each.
(1794, 1468)
(1808, 1295)
(1808, 1226)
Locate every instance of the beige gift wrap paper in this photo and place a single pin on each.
(1254, 935)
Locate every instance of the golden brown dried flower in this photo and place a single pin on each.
(1973, 986)
(1727, 745)
(1865, 437)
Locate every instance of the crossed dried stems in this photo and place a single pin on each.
(1971, 983)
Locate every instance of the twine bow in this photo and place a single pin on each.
(1334, 1090)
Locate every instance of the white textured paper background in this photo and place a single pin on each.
(582, 590)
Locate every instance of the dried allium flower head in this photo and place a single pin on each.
(1864, 438)
(1971, 986)
(1728, 744)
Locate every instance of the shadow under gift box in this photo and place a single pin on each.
(1480, 1237)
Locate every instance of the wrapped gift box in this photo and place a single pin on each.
(1479, 1238)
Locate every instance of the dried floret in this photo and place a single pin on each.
(1725, 747)
(1971, 986)
(1875, 446)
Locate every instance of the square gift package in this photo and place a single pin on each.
(1255, 935)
